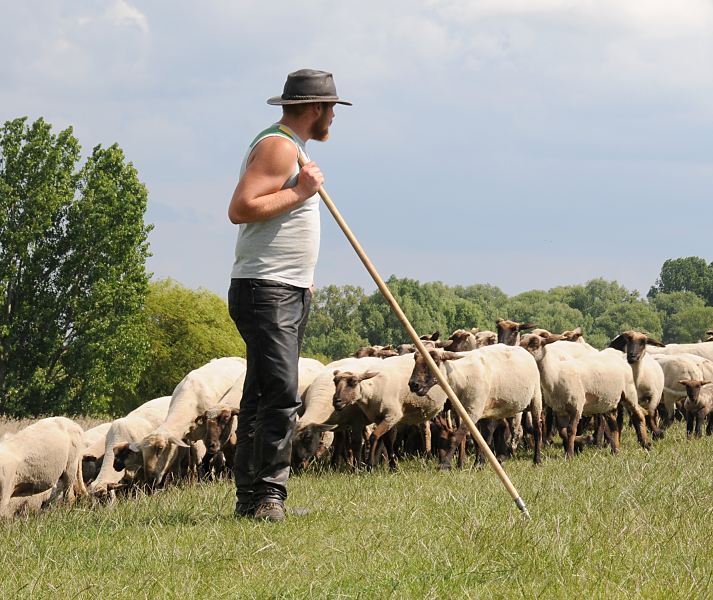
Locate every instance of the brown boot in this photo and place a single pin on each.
(270, 509)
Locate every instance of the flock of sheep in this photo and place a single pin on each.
(519, 387)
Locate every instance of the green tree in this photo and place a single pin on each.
(72, 254)
(689, 274)
(671, 304)
(186, 328)
(690, 324)
(638, 315)
(334, 326)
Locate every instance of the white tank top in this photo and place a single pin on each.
(285, 247)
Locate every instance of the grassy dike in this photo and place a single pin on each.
(636, 525)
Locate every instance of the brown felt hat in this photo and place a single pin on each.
(308, 85)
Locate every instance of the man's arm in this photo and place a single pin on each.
(258, 195)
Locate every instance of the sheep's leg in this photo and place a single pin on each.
(572, 433)
(609, 421)
(536, 412)
(651, 422)
(699, 423)
(443, 436)
(709, 426)
(389, 440)
(637, 416)
(689, 423)
(374, 442)
(550, 425)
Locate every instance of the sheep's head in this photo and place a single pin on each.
(693, 388)
(431, 337)
(509, 331)
(218, 424)
(127, 457)
(386, 352)
(485, 338)
(306, 443)
(422, 378)
(348, 387)
(633, 344)
(159, 452)
(461, 340)
(366, 351)
(535, 344)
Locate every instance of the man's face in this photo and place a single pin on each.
(320, 128)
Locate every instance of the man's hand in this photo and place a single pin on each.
(309, 180)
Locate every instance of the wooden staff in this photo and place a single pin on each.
(442, 381)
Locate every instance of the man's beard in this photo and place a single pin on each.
(320, 129)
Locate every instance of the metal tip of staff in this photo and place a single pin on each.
(520, 503)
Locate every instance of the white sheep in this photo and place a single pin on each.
(698, 406)
(675, 368)
(383, 395)
(122, 432)
(93, 442)
(44, 456)
(493, 382)
(589, 384)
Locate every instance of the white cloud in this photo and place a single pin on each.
(123, 13)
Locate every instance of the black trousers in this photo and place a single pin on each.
(271, 317)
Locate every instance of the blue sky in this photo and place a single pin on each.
(523, 143)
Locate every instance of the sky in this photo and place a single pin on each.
(521, 143)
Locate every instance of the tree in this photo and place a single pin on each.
(334, 326)
(689, 274)
(690, 324)
(669, 305)
(72, 254)
(638, 315)
(186, 328)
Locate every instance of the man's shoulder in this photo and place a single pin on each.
(276, 130)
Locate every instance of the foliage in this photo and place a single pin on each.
(690, 324)
(186, 329)
(689, 274)
(73, 283)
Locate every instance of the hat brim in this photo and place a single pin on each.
(280, 101)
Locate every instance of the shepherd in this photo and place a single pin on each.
(276, 203)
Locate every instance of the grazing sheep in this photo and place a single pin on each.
(383, 395)
(44, 456)
(217, 429)
(200, 390)
(122, 432)
(648, 374)
(93, 441)
(590, 384)
(494, 382)
(698, 405)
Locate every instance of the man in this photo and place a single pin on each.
(277, 206)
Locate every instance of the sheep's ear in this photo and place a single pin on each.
(526, 326)
(684, 381)
(200, 420)
(451, 356)
(368, 375)
(705, 382)
(178, 442)
(435, 335)
(475, 330)
(619, 342)
(336, 372)
(654, 342)
(445, 345)
(234, 412)
(134, 447)
(498, 321)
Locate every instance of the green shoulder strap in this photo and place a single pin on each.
(275, 129)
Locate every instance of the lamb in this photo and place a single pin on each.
(648, 374)
(217, 429)
(383, 395)
(93, 440)
(593, 383)
(320, 418)
(494, 382)
(675, 368)
(122, 432)
(200, 390)
(698, 405)
(44, 456)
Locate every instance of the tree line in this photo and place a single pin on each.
(83, 329)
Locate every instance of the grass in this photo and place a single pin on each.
(635, 525)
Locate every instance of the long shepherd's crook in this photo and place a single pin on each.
(443, 382)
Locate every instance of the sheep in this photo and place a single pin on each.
(320, 419)
(675, 368)
(200, 390)
(703, 349)
(44, 456)
(217, 429)
(648, 374)
(383, 395)
(122, 433)
(698, 405)
(377, 351)
(462, 340)
(589, 384)
(509, 331)
(493, 382)
(93, 442)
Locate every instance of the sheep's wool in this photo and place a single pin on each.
(283, 248)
